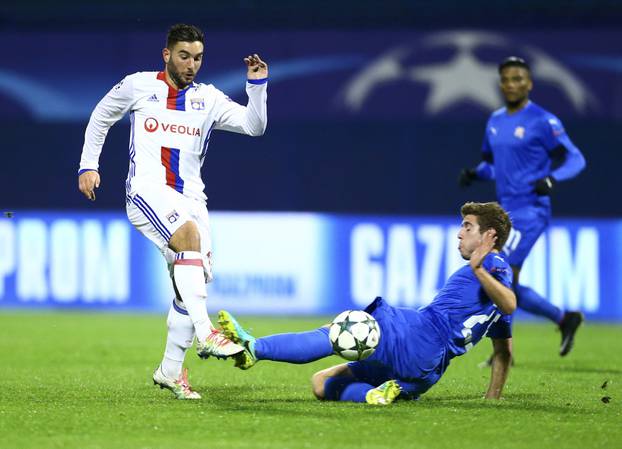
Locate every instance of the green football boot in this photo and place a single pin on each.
(383, 394)
(236, 333)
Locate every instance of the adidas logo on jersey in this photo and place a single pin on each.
(153, 98)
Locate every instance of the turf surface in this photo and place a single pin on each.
(72, 380)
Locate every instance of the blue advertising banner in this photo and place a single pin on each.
(318, 75)
(290, 263)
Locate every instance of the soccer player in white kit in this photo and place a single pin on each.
(171, 119)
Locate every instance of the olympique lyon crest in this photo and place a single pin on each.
(197, 104)
(172, 217)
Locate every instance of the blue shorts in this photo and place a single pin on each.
(528, 223)
(410, 350)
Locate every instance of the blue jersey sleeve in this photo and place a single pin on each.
(502, 328)
(498, 267)
(554, 137)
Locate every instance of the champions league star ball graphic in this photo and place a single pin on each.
(444, 72)
(354, 335)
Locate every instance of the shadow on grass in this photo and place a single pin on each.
(243, 399)
(512, 401)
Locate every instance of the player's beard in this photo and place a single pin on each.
(515, 104)
(176, 76)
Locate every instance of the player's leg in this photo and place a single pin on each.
(530, 301)
(527, 226)
(169, 374)
(339, 383)
(164, 216)
(179, 338)
(294, 347)
(214, 343)
(189, 278)
(568, 321)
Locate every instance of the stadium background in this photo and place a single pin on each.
(373, 109)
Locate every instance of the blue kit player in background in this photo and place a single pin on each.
(527, 151)
(416, 345)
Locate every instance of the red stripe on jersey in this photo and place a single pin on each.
(171, 99)
(195, 262)
(165, 157)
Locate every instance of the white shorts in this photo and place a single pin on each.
(157, 212)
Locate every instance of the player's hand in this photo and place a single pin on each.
(489, 238)
(257, 69)
(467, 176)
(88, 182)
(545, 185)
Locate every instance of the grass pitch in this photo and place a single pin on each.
(73, 380)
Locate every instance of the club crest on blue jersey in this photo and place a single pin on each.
(519, 132)
(172, 217)
(198, 104)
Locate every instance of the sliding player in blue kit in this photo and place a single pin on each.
(416, 345)
(527, 151)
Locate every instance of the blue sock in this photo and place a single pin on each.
(334, 386)
(301, 347)
(355, 392)
(530, 301)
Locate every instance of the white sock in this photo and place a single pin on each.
(190, 282)
(178, 340)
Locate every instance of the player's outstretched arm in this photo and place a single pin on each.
(88, 182)
(501, 361)
(251, 119)
(503, 297)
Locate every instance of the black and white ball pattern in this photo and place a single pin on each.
(354, 335)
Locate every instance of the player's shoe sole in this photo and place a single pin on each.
(181, 388)
(217, 345)
(236, 333)
(384, 394)
(568, 327)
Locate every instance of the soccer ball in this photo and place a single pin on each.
(354, 335)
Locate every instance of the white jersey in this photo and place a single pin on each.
(170, 128)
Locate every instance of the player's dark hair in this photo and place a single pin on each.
(181, 32)
(514, 61)
(490, 216)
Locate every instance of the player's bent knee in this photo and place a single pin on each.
(318, 380)
(186, 238)
(317, 384)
